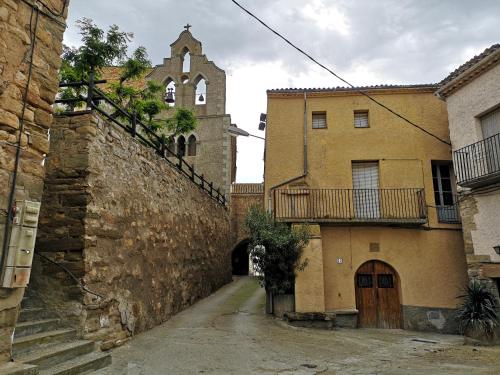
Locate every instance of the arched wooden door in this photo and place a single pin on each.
(377, 296)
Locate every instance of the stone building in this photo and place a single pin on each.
(198, 84)
(386, 248)
(472, 94)
(29, 61)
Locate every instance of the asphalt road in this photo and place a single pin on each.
(228, 333)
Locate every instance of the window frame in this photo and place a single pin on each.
(361, 111)
(319, 113)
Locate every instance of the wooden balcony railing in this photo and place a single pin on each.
(478, 164)
(344, 206)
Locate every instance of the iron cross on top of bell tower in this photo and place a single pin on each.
(188, 26)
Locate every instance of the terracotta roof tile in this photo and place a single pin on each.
(430, 86)
(469, 64)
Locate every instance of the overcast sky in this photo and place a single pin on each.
(366, 41)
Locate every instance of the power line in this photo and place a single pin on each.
(337, 76)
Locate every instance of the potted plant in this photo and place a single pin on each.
(478, 314)
(275, 249)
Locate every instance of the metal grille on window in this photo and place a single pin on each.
(361, 119)
(385, 281)
(365, 281)
(319, 120)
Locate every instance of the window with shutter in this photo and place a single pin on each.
(319, 120)
(490, 124)
(361, 119)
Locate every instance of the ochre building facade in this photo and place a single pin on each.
(386, 248)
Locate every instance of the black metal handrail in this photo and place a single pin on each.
(478, 160)
(138, 130)
(351, 205)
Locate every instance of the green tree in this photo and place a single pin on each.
(276, 249)
(100, 49)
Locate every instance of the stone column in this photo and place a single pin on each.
(309, 283)
(38, 83)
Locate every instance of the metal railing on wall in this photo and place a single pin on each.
(129, 122)
(247, 188)
(351, 205)
(478, 161)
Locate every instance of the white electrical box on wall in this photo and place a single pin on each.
(16, 273)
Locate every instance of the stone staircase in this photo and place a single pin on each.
(43, 340)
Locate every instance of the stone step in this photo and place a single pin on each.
(35, 313)
(21, 344)
(36, 326)
(14, 368)
(82, 364)
(55, 354)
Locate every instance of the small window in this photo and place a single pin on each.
(181, 146)
(385, 281)
(319, 120)
(192, 146)
(361, 119)
(365, 281)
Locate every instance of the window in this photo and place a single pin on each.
(365, 280)
(192, 145)
(443, 192)
(385, 281)
(319, 120)
(490, 124)
(366, 194)
(181, 146)
(361, 119)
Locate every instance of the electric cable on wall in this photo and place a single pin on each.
(339, 77)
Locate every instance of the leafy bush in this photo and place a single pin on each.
(276, 249)
(477, 314)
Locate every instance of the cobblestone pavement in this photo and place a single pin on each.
(228, 333)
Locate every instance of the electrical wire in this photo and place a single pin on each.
(339, 77)
(35, 13)
(49, 12)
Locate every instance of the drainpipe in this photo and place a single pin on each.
(305, 172)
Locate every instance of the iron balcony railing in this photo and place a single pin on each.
(389, 206)
(449, 214)
(479, 163)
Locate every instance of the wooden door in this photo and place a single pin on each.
(377, 296)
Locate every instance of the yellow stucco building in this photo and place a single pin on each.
(378, 193)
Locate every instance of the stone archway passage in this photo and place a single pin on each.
(377, 296)
(240, 259)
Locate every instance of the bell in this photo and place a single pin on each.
(201, 98)
(169, 97)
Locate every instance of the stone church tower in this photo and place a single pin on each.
(198, 84)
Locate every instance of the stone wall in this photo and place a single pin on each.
(131, 226)
(15, 55)
(243, 196)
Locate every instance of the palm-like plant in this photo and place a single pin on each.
(477, 316)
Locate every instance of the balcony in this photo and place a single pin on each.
(351, 206)
(449, 214)
(478, 164)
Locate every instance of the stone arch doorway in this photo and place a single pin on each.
(240, 259)
(378, 296)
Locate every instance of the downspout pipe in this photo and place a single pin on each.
(306, 168)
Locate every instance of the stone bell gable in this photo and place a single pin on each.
(196, 83)
(174, 72)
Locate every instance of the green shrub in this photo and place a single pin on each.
(275, 249)
(478, 315)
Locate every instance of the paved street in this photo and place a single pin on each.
(228, 333)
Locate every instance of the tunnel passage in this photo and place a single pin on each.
(240, 259)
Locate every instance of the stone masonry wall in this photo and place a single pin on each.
(134, 229)
(15, 56)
